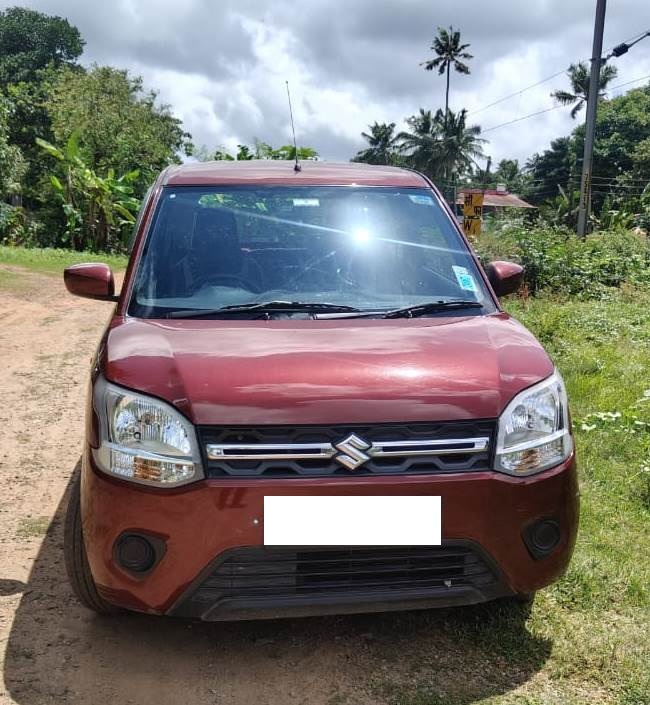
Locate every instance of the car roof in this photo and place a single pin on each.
(268, 172)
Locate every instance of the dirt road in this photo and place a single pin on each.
(53, 650)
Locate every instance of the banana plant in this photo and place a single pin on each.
(98, 209)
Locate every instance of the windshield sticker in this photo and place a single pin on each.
(421, 200)
(306, 202)
(464, 278)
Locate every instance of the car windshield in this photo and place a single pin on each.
(366, 248)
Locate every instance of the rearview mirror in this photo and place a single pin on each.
(505, 277)
(92, 281)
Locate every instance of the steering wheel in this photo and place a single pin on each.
(226, 280)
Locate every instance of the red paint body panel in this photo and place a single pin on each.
(505, 277)
(91, 281)
(202, 520)
(302, 372)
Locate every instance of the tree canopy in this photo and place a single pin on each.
(11, 161)
(440, 145)
(383, 145)
(263, 150)
(31, 41)
(119, 125)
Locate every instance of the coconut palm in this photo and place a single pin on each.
(441, 145)
(421, 144)
(460, 145)
(579, 77)
(382, 145)
(449, 52)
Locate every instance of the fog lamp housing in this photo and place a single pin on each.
(542, 537)
(138, 553)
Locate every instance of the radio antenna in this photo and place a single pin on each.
(296, 166)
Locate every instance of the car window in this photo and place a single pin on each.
(372, 248)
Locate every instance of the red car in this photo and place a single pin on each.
(308, 400)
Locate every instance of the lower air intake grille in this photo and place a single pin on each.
(271, 574)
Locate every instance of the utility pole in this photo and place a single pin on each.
(590, 124)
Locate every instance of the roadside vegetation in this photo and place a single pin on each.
(558, 262)
(53, 261)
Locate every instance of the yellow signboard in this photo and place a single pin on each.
(472, 226)
(472, 212)
(473, 205)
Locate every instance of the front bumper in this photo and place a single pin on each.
(202, 524)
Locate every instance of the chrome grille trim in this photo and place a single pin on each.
(270, 451)
(319, 451)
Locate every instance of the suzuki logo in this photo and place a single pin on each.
(351, 453)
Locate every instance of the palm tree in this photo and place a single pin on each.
(422, 143)
(441, 145)
(382, 145)
(449, 52)
(460, 145)
(579, 77)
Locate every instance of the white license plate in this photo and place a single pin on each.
(352, 521)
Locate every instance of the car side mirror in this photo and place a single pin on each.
(92, 281)
(505, 277)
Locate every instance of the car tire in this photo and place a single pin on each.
(76, 561)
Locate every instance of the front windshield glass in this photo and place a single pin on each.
(373, 249)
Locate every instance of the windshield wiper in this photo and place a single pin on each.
(265, 307)
(431, 307)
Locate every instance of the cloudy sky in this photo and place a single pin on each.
(222, 64)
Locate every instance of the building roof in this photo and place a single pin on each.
(266, 171)
(499, 199)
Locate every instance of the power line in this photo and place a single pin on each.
(555, 107)
(524, 117)
(516, 93)
(549, 78)
(627, 83)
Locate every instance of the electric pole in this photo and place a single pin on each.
(590, 124)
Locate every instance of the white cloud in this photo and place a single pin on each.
(222, 66)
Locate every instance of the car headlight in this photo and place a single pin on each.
(144, 439)
(534, 429)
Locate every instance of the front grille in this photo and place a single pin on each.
(274, 573)
(313, 451)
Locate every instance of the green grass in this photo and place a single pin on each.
(586, 639)
(53, 261)
(30, 527)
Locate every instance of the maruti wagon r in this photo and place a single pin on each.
(321, 333)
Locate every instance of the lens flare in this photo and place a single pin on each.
(361, 236)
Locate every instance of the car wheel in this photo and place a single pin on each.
(76, 562)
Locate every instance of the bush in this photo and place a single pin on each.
(16, 228)
(557, 260)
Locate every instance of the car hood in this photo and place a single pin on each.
(327, 372)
